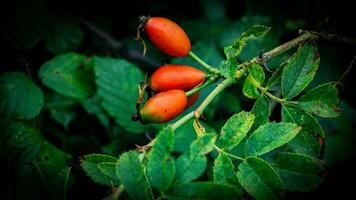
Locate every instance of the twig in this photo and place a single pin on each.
(130, 54)
(347, 70)
(331, 37)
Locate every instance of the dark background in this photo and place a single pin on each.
(119, 19)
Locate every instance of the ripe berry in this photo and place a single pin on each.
(167, 36)
(172, 76)
(164, 106)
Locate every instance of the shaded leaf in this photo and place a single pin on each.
(299, 71)
(255, 78)
(109, 169)
(131, 173)
(61, 108)
(298, 172)
(117, 81)
(224, 171)
(70, 75)
(203, 191)
(235, 129)
(160, 166)
(261, 110)
(192, 164)
(63, 34)
(322, 100)
(93, 106)
(307, 141)
(260, 179)
(270, 136)
(275, 80)
(90, 164)
(20, 98)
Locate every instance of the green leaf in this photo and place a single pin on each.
(69, 74)
(322, 100)
(203, 145)
(185, 135)
(275, 80)
(20, 98)
(90, 164)
(61, 108)
(109, 169)
(190, 167)
(63, 34)
(307, 141)
(298, 172)
(256, 32)
(255, 78)
(299, 71)
(270, 136)
(260, 179)
(131, 174)
(261, 110)
(192, 164)
(93, 106)
(235, 129)
(224, 171)
(203, 191)
(228, 68)
(117, 81)
(160, 166)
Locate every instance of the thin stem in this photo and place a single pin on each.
(66, 184)
(331, 37)
(221, 86)
(271, 96)
(182, 120)
(347, 70)
(203, 64)
(118, 192)
(228, 154)
(200, 87)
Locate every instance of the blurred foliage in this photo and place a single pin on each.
(50, 119)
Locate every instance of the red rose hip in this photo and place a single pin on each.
(180, 77)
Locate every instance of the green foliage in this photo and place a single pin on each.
(160, 166)
(261, 110)
(300, 70)
(46, 128)
(270, 136)
(99, 172)
(235, 129)
(203, 191)
(131, 173)
(61, 108)
(260, 179)
(117, 81)
(322, 100)
(308, 140)
(20, 98)
(224, 171)
(255, 78)
(192, 164)
(298, 172)
(70, 75)
(256, 32)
